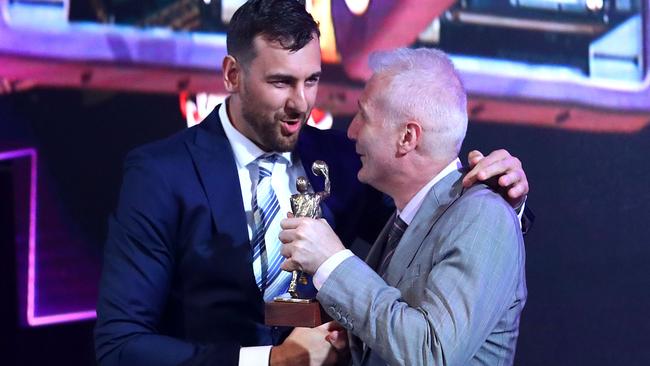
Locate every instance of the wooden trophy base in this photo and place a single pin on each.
(289, 312)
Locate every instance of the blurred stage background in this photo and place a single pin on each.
(561, 84)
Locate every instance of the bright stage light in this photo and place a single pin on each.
(357, 7)
(594, 5)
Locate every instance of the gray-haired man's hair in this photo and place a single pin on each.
(424, 86)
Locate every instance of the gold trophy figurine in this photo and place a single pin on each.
(295, 309)
(306, 204)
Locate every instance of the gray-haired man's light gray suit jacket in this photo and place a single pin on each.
(453, 291)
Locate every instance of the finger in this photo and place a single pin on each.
(487, 171)
(287, 236)
(285, 266)
(479, 172)
(474, 157)
(338, 339)
(333, 325)
(518, 191)
(470, 178)
(290, 223)
(496, 155)
(509, 179)
(335, 335)
(286, 250)
(290, 265)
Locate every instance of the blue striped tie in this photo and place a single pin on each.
(270, 279)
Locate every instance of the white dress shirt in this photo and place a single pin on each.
(283, 178)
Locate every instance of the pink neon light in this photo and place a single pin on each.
(32, 319)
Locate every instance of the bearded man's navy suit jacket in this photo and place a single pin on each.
(177, 283)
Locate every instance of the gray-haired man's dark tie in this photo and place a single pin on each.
(394, 236)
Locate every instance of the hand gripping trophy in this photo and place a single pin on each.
(307, 204)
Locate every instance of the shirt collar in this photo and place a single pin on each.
(412, 207)
(243, 148)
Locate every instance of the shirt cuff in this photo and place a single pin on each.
(520, 212)
(254, 356)
(323, 272)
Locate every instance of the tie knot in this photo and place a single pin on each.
(265, 164)
(399, 225)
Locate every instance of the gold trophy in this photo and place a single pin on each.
(295, 308)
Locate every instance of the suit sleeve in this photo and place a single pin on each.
(478, 262)
(136, 278)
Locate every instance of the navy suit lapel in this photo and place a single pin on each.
(216, 167)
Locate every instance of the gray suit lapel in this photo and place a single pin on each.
(436, 202)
